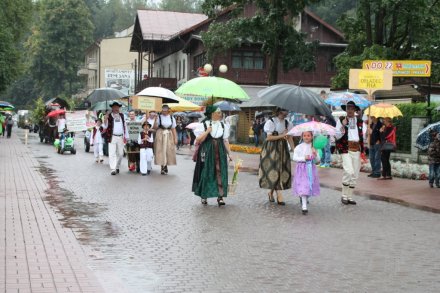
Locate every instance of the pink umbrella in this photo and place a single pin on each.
(193, 125)
(313, 126)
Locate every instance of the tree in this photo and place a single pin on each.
(57, 45)
(182, 5)
(273, 26)
(332, 10)
(384, 29)
(14, 20)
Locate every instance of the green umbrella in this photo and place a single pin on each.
(213, 87)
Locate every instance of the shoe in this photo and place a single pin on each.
(220, 201)
(304, 212)
(375, 176)
(270, 195)
(389, 178)
(280, 202)
(166, 169)
(96, 161)
(351, 201)
(370, 175)
(204, 201)
(162, 171)
(148, 172)
(344, 200)
(117, 171)
(101, 161)
(431, 185)
(113, 172)
(144, 174)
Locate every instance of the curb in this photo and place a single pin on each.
(371, 196)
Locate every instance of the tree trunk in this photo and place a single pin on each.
(273, 65)
(379, 25)
(367, 18)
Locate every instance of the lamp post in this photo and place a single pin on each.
(208, 68)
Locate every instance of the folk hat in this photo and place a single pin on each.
(350, 103)
(115, 103)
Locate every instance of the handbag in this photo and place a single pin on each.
(388, 146)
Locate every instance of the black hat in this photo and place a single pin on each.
(115, 103)
(350, 103)
(278, 110)
(146, 123)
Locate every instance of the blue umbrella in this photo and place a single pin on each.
(227, 106)
(424, 138)
(339, 99)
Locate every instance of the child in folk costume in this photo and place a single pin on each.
(97, 141)
(145, 142)
(306, 180)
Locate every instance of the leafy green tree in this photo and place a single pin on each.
(14, 20)
(384, 29)
(39, 110)
(332, 10)
(57, 45)
(182, 5)
(273, 27)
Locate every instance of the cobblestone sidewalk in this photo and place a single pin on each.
(38, 254)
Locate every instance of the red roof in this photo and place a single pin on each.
(159, 25)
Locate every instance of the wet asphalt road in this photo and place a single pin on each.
(150, 234)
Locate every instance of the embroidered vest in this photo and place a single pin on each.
(145, 144)
(342, 143)
(110, 126)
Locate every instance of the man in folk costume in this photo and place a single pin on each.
(116, 136)
(275, 167)
(350, 144)
(132, 145)
(165, 140)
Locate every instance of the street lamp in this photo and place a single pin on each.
(208, 68)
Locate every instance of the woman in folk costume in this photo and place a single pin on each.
(97, 141)
(306, 180)
(166, 140)
(145, 142)
(211, 172)
(275, 166)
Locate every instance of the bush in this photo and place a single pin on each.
(403, 124)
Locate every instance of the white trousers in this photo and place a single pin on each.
(351, 163)
(98, 150)
(115, 152)
(146, 159)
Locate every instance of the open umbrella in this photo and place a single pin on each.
(194, 115)
(227, 106)
(313, 126)
(296, 99)
(339, 99)
(213, 87)
(159, 92)
(183, 105)
(180, 114)
(105, 94)
(423, 138)
(56, 113)
(383, 110)
(6, 106)
(193, 125)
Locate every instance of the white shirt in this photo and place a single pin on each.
(149, 140)
(98, 136)
(118, 127)
(353, 132)
(276, 125)
(61, 124)
(166, 121)
(151, 122)
(302, 150)
(216, 131)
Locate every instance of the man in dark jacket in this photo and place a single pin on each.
(434, 159)
(374, 151)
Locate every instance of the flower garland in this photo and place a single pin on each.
(245, 149)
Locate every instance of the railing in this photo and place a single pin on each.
(169, 83)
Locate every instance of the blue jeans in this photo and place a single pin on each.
(326, 154)
(434, 174)
(375, 159)
(256, 139)
(181, 137)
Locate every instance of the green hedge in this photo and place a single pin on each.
(403, 124)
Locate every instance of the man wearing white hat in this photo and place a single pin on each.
(116, 136)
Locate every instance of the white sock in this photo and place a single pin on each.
(304, 202)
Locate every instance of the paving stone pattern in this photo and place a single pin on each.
(150, 234)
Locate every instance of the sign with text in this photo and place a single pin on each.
(134, 128)
(371, 80)
(146, 103)
(76, 121)
(401, 68)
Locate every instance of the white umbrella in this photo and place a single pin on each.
(159, 92)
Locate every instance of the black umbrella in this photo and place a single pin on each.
(226, 106)
(296, 99)
(194, 115)
(105, 94)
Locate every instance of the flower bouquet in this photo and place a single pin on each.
(233, 185)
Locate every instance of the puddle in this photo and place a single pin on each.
(79, 216)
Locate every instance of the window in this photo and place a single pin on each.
(199, 61)
(331, 65)
(183, 67)
(247, 59)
